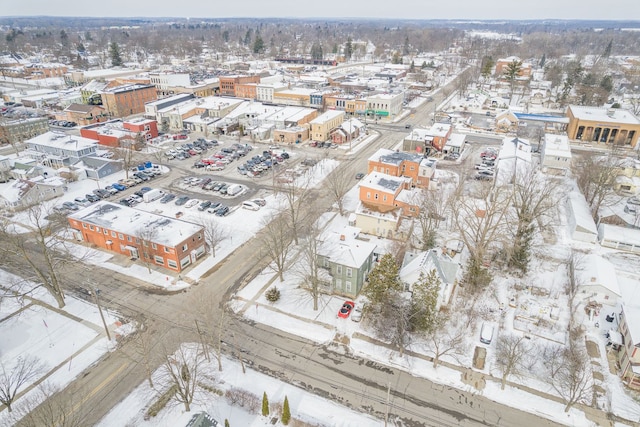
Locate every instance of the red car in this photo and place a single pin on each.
(346, 308)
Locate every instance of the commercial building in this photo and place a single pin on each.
(322, 125)
(18, 130)
(139, 235)
(384, 105)
(112, 133)
(128, 99)
(603, 125)
(228, 83)
(83, 114)
(416, 167)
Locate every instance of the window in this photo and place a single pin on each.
(347, 286)
(171, 263)
(166, 249)
(120, 236)
(98, 229)
(145, 243)
(375, 196)
(368, 194)
(113, 234)
(129, 238)
(84, 225)
(338, 283)
(326, 262)
(106, 232)
(159, 260)
(91, 227)
(185, 247)
(338, 269)
(154, 246)
(384, 198)
(349, 271)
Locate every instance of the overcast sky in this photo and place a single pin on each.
(414, 9)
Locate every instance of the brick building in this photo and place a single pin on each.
(145, 236)
(228, 84)
(128, 99)
(418, 169)
(602, 125)
(16, 130)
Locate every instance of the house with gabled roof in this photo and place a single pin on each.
(415, 264)
(416, 167)
(347, 258)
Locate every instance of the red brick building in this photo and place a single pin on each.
(228, 85)
(125, 100)
(112, 133)
(150, 238)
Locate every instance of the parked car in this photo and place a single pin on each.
(191, 203)
(70, 206)
(250, 206)
(119, 187)
(103, 194)
(260, 202)
(346, 308)
(92, 198)
(181, 200)
(359, 175)
(486, 333)
(356, 316)
(204, 205)
(222, 210)
(167, 198)
(82, 201)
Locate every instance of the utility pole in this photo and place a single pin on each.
(95, 297)
(386, 411)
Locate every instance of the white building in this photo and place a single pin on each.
(597, 280)
(385, 105)
(164, 81)
(582, 227)
(556, 152)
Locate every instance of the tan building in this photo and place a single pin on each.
(603, 125)
(322, 125)
(17, 130)
(503, 63)
(297, 96)
(384, 105)
(83, 114)
(292, 135)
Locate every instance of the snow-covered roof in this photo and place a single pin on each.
(581, 212)
(456, 140)
(62, 141)
(326, 116)
(385, 155)
(557, 145)
(593, 270)
(606, 115)
(160, 229)
(383, 182)
(343, 247)
(425, 262)
(615, 233)
(630, 297)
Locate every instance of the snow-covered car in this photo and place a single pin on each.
(191, 203)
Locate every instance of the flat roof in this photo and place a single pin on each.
(62, 141)
(600, 114)
(159, 229)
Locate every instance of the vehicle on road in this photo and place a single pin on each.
(346, 308)
(359, 175)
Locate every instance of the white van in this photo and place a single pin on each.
(250, 205)
(486, 333)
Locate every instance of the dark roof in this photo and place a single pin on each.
(81, 108)
(202, 420)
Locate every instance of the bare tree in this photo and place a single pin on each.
(338, 184)
(573, 379)
(391, 321)
(145, 238)
(534, 200)
(299, 202)
(595, 176)
(481, 224)
(126, 153)
(50, 407)
(308, 267)
(210, 320)
(448, 338)
(214, 232)
(552, 358)
(45, 255)
(141, 347)
(180, 371)
(433, 205)
(276, 242)
(13, 378)
(511, 351)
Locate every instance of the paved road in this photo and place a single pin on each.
(353, 381)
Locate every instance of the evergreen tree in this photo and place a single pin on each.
(405, 48)
(383, 279)
(114, 53)
(316, 51)
(286, 412)
(487, 66)
(265, 405)
(226, 423)
(348, 49)
(412, 67)
(607, 50)
(424, 314)
(258, 44)
(543, 60)
(80, 48)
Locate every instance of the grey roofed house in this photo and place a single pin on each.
(99, 167)
(202, 420)
(446, 269)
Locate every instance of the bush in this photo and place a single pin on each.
(273, 295)
(245, 399)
